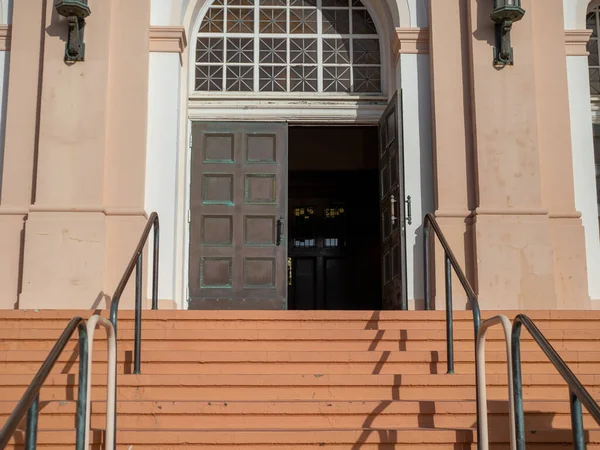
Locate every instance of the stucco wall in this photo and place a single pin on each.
(74, 158)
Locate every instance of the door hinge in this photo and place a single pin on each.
(189, 216)
(191, 140)
(187, 293)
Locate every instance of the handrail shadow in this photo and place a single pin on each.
(30, 401)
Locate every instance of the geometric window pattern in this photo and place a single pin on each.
(327, 46)
(593, 24)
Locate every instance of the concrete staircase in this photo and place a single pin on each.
(300, 380)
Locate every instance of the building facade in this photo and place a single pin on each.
(231, 118)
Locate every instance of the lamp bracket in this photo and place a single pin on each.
(504, 17)
(75, 11)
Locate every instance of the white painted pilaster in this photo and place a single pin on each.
(161, 160)
(584, 170)
(418, 160)
(6, 11)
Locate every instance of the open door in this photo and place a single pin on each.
(392, 205)
(238, 253)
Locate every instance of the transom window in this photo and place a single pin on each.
(593, 23)
(318, 46)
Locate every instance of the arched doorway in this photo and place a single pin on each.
(260, 72)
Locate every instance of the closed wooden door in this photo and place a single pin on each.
(238, 253)
(392, 205)
(319, 255)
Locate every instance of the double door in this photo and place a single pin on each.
(238, 256)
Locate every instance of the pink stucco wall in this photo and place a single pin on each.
(73, 186)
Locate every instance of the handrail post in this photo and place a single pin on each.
(518, 384)
(426, 265)
(114, 306)
(138, 317)
(476, 328)
(110, 433)
(82, 391)
(32, 424)
(481, 399)
(449, 319)
(577, 422)
(155, 264)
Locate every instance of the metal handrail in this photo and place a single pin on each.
(29, 403)
(450, 262)
(578, 394)
(482, 412)
(111, 384)
(136, 263)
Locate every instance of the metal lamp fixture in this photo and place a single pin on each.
(505, 13)
(75, 11)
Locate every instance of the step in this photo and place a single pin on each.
(300, 340)
(301, 415)
(368, 438)
(292, 346)
(298, 387)
(365, 320)
(267, 362)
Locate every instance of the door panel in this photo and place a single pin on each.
(336, 283)
(392, 206)
(238, 216)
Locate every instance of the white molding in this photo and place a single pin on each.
(298, 110)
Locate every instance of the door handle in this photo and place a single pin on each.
(279, 231)
(409, 210)
(393, 217)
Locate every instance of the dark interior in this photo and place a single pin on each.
(334, 250)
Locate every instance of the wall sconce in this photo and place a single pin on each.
(75, 11)
(505, 13)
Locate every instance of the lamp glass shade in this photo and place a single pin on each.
(77, 8)
(507, 10)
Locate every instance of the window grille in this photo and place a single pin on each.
(288, 46)
(593, 23)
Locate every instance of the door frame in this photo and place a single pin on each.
(295, 116)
